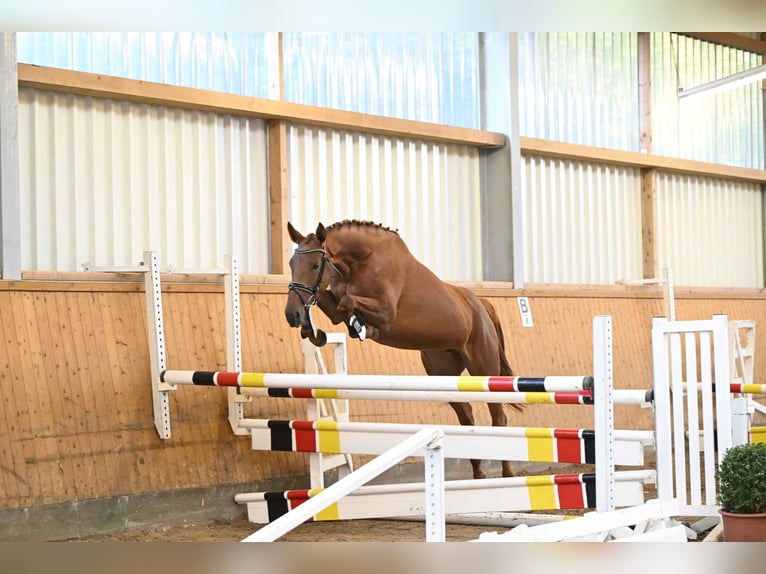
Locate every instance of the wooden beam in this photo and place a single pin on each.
(649, 227)
(123, 89)
(731, 39)
(577, 152)
(279, 197)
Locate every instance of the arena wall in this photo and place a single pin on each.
(76, 415)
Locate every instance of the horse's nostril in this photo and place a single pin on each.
(293, 318)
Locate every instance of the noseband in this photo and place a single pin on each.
(312, 291)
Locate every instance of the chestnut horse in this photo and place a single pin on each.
(362, 274)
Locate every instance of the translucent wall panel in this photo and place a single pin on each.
(235, 62)
(725, 128)
(429, 192)
(431, 77)
(102, 181)
(579, 88)
(582, 222)
(710, 231)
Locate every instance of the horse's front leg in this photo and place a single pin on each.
(379, 314)
(328, 304)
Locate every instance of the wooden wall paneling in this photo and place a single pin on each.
(70, 355)
(137, 347)
(14, 416)
(74, 438)
(119, 326)
(81, 372)
(36, 385)
(92, 309)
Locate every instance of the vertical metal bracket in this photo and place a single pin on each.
(156, 338)
(603, 404)
(234, 342)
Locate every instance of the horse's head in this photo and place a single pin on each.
(310, 274)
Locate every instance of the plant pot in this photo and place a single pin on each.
(743, 527)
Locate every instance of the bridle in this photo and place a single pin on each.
(312, 291)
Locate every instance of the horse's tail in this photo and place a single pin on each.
(505, 367)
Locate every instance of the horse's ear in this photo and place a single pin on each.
(294, 234)
(321, 233)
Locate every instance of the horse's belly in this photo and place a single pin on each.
(421, 339)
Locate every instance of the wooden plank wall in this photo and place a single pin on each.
(76, 411)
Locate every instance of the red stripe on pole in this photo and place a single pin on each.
(570, 491)
(302, 393)
(568, 447)
(301, 494)
(573, 398)
(227, 379)
(297, 497)
(736, 387)
(305, 436)
(501, 384)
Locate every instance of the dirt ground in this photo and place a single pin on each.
(342, 531)
(378, 530)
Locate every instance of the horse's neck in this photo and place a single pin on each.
(352, 245)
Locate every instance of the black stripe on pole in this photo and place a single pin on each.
(280, 393)
(206, 378)
(276, 504)
(589, 479)
(589, 441)
(531, 384)
(587, 383)
(281, 435)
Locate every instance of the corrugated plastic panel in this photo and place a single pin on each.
(234, 62)
(724, 128)
(102, 181)
(582, 222)
(710, 231)
(579, 88)
(430, 77)
(430, 192)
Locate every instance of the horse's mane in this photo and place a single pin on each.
(367, 224)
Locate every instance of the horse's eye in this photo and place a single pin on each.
(315, 266)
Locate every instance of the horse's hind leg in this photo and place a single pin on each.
(484, 360)
(451, 363)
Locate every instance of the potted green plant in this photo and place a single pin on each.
(742, 493)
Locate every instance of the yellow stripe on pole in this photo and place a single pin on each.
(542, 492)
(539, 398)
(251, 379)
(471, 383)
(329, 513)
(540, 444)
(757, 434)
(325, 393)
(328, 436)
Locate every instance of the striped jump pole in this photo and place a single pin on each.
(748, 388)
(556, 445)
(523, 493)
(621, 396)
(378, 382)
